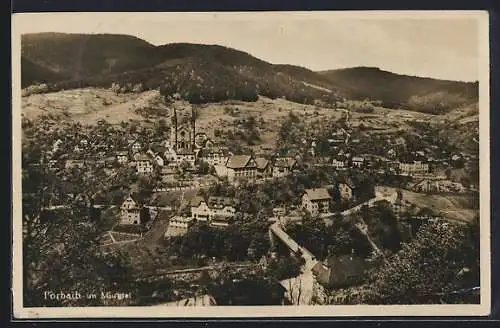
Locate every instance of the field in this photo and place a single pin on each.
(455, 207)
(88, 106)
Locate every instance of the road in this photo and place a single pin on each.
(300, 288)
(379, 196)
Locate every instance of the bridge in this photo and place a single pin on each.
(300, 288)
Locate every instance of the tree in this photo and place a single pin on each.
(441, 259)
(61, 252)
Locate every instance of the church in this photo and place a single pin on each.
(182, 133)
(182, 137)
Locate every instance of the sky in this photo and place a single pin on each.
(442, 45)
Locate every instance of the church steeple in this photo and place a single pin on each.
(174, 121)
(193, 126)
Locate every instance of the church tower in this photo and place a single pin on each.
(182, 132)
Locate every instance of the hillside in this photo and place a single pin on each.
(76, 56)
(408, 92)
(33, 73)
(211, 73)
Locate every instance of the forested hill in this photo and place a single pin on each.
(409, 92)
(210, 73)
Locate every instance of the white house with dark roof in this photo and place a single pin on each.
(131, 210)
(214, 155)
(358, 161)
(339, 162)
(241, 166)
(221, 210)
(316, 200)
(143, 163)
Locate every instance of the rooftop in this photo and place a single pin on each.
(285, 162)
(261, 163)
(339, 270)
(239, 161)
(317, 194)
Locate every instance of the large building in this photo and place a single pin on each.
(178, 226)
(241, 166)
(182, 133)
(316, 201)
(215, 210)
(214, 155)
(416, 167)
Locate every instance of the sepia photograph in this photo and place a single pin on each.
(250, 164)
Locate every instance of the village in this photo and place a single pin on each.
(164, 185)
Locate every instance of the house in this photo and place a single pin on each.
(159, 160)
(337, 272)
(345, 188)
(219, 209)
(358, 161)
(316, 200)
(84, 142)
(219, 221)
(241, 166)
(283, 167)
(263, 167)
(170, 155)
(56, 145)
(122, 156)
(417, 167)
(339, 162)
(178, 226)
(143, 164)
(214, 155)
(136, 146)
(185, 156)
(74, 163)
(131, 210)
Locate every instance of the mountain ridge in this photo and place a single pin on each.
(190, 68)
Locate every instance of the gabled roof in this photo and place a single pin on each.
(347, 181)
(317, 194)
(358, 159)
(207, 152)
(239, 161)
(285, 162)
(159, 149)
(136, 198)
(122, 153)
(262, 163)
(222, 201)
(339, 270)
(142, 157)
